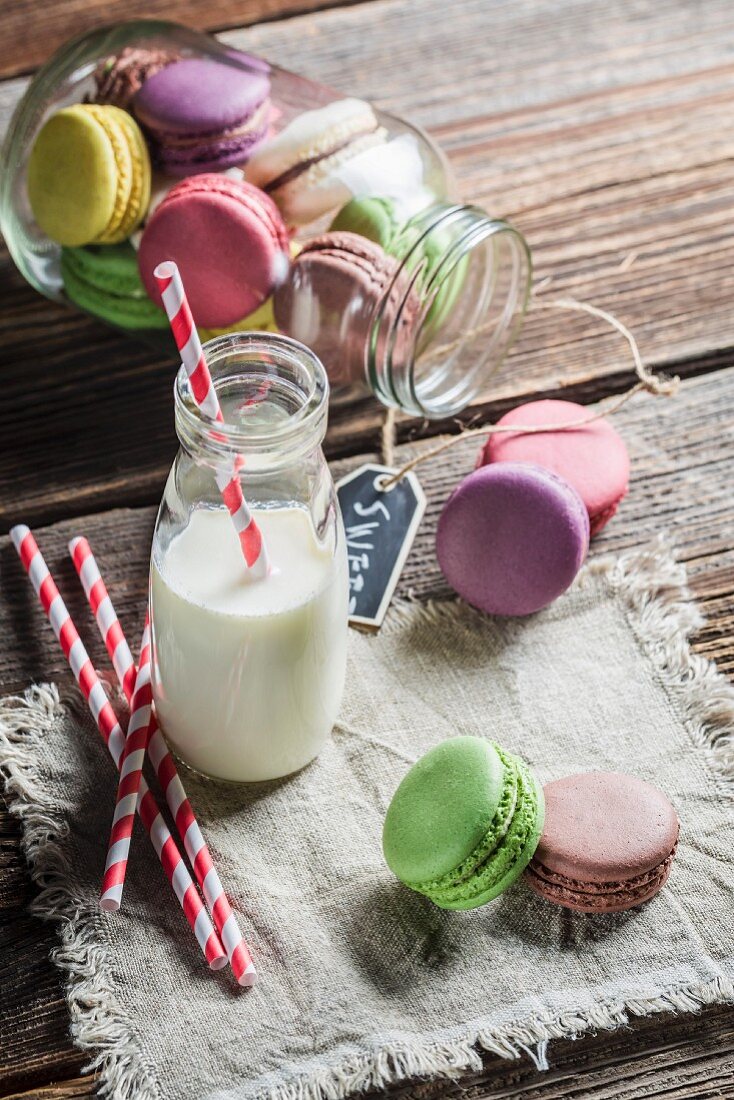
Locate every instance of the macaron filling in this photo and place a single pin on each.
(122, 152)
(303, 166)
(505, 857)
(104, 281)
(598, 896)
(193, 148)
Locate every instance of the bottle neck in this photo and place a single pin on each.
(451, 311)
(273, 396)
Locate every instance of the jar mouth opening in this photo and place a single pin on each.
(273, 394)
(454, 308)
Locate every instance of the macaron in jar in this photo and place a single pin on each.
(147, 141)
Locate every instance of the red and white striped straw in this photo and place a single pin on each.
(188, 828)
(103, 714)
(139, 729)
(122, 659)
(196, 849)
(187, 340)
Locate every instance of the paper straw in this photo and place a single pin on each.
(139, 729)
(109, 627)
(104, 716)
(187, 340)
(188, 828)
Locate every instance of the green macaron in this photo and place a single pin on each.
(373, 218)
(464, 823)
(104, 280)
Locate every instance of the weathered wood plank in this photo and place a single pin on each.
(31, 32)
(605, 135)
(690, 1057)
(509, 55)
(604, 132)
(682, 472)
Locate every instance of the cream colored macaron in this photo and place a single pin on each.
(299, 168)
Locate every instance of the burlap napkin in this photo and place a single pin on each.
(362, 982)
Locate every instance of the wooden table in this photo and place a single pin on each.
(604, 131)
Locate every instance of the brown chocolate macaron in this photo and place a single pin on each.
(335, 289)
(607, 845)
(118, 78)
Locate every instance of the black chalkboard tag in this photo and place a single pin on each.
(380, 526)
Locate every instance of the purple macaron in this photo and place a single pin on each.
(203, 116)
(512, 537)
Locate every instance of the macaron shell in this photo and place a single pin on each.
(597, 898)
(103, 280)
(373, 218)
(119, 77)
(140, 188)
(228, 240)
(133, 172)
(113, 268)
(109, 120)
(605, 827)
(593, 459)
(442, 809)
(492, 839)
(530, 827)
(262, 320)
(377, 219)
(511, 538)
(73, 177)
(309, 134)
(199, 96)
(319, 190)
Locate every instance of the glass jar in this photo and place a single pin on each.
(452, 282)
(248, 673)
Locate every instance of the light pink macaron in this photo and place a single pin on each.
(592, 459)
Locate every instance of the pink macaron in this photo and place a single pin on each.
(229, 241)
(593, 459)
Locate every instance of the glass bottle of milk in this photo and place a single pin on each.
(248, 673)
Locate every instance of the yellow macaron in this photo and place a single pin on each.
(262, 320)
(89, 175)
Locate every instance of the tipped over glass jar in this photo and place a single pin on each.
(286, 207)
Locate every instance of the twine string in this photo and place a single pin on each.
(660, 385)
(387, 440)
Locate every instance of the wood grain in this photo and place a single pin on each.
(605, 136)
(690, 1059)
(604, 131)
(31, 32)
(682, 471)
